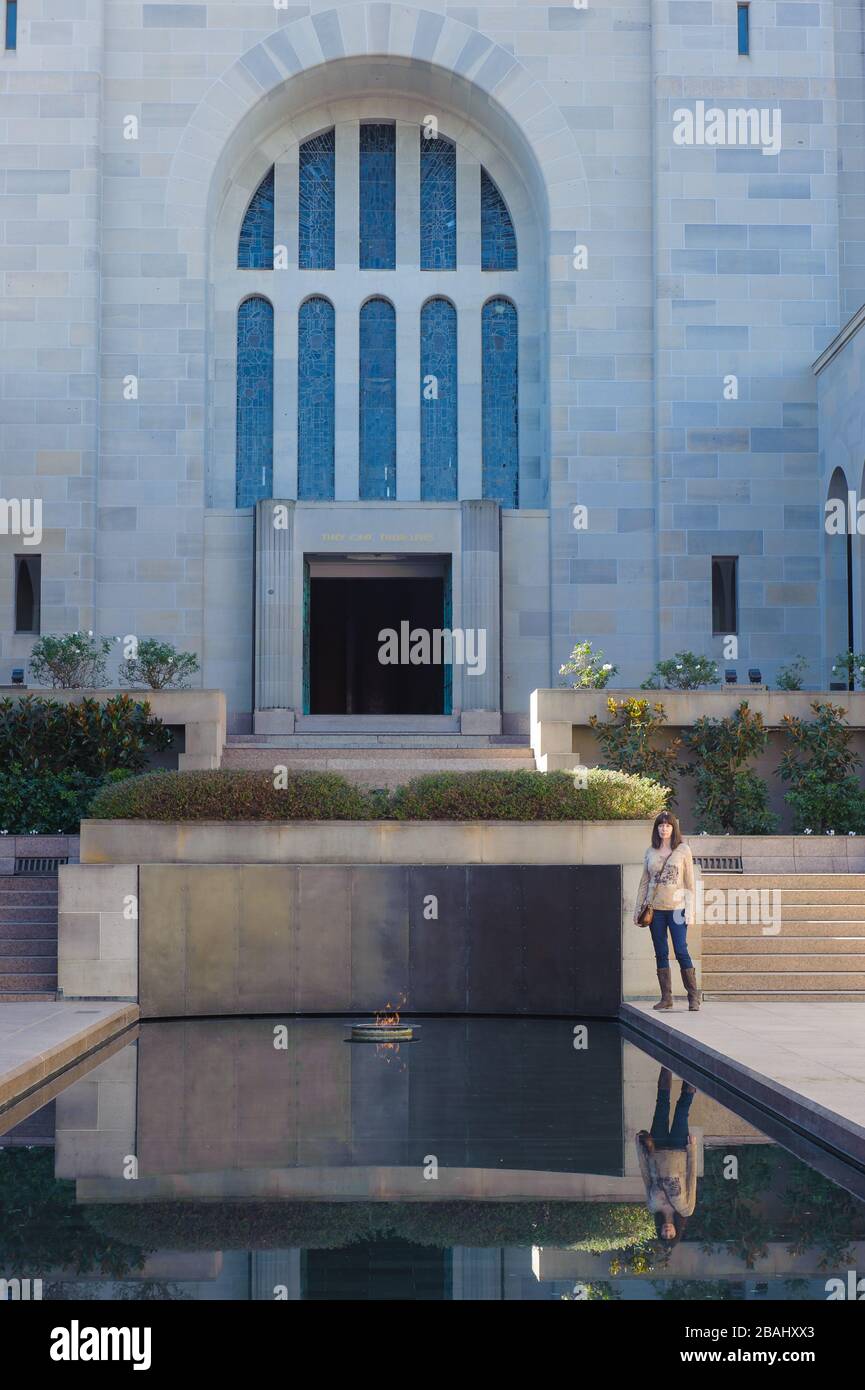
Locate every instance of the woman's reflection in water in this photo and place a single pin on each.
(668, 1162)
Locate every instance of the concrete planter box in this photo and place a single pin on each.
(562, 737)
(363, 842)
(99, 945)
(788, 854)
(202, 713)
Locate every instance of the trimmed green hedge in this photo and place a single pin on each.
(447, 796)
(528, 796)
(234, 795)
(596, 1226)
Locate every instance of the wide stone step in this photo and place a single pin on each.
(808, 982)
(15, 912)
(782, 945)
(24, 965)
(396, 743)
(11, 983)
(822, 912)
(8, 930)
(798, 882)
(826, 895)
(792, 962)
(27, 946)
(723, 931)
(783, 996)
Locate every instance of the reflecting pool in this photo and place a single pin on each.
(238, 1159)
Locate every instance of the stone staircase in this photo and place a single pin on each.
(819, 952)
(28, 936)
(379, 760)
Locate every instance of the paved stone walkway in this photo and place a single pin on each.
(816, 1050)
(40, 1039)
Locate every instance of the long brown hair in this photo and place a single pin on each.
(676, 837)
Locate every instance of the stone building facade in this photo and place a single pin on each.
(253, 373)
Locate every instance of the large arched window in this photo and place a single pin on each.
(498, 238)
(254, 450)
(438, 404)
(317, 202)
(499, 389)
(377, 401)
(438, 203)
(255, 245)
(315, 400)
(370, 211)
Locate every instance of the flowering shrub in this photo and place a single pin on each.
(586, 669)
(684, 671)
(630, 741)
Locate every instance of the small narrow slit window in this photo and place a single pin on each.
(11, 24)
(725, 602)
(744, 21)
(28, 593)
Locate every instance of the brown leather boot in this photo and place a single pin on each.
(689, 980)
(665, 980)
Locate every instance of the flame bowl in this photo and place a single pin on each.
(383, 1032)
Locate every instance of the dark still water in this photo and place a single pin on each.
(490, 1159)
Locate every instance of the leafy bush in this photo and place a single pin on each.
(451, 796)
(684, 671)
(73, 662)
(824, 791)
(629, 741)
(527, 796)
(850, 665)
(729, 798)
(42, 1227)
(790, 676)
(331, 1225)
(158, 665)
(47, 803)
(587, 669)
(233, 795)
(83, 736)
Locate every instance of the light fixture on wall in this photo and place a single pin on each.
(755, 676)
(730, 675)
(17, 675)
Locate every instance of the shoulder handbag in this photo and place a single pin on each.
(648, 912)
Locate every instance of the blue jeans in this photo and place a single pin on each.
(663, 922)
(675, 1135)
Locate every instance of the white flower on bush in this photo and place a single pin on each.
(807, 830)
(830, 832)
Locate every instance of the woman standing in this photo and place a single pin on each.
(667, 887)
(668, 1162)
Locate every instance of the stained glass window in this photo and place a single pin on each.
(438, 203)
(317, 202)
(315, 400)
(438, 401)
(499, 404)
(377, 197)
(11, 24)
(498, 238)
(255, 246)
(254, 461)
(377, 401)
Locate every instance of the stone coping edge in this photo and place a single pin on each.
(825, 1127)
(19, 1081)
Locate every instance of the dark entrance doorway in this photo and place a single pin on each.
(346, 615)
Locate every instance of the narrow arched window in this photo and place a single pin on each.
(498, 238)
(316, 359)
(377, 192)
(499, 388)
(438, 203)
(438, 401)
(255, 245)
(317, 202)
(254, 458)
(377, 401)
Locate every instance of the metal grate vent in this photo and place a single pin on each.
(45, 865)
(719, 863)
